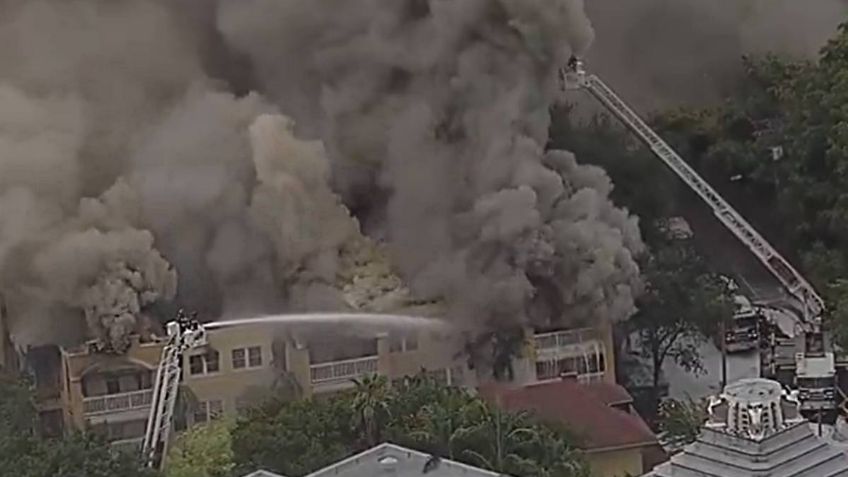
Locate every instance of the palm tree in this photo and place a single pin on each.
(553, 456)
(497, 439)
(445, 422)
(371, 407)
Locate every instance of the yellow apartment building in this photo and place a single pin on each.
(241, 365)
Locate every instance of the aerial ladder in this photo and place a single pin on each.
(812, 357)
(184, 334)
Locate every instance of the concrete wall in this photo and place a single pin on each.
(617, 463)
(234, 387)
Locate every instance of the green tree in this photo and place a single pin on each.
(24, 454)
(439, 425)
(681, 305)
(202, 451)
(680, 421)
(296, 438)
(21, 452)
(371, 407)
(87, 455)
(497, 439)
(799, 199)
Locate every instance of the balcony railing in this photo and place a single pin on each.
(342, 370)
(117, 402)
(590, 378)
(560, 339)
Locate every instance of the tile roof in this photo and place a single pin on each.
(583, 408)
(792, 452)
(610, 394)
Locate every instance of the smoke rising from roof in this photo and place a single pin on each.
(135, 171)
(661, 53)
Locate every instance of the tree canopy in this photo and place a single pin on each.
(684, 302)
(780, 149)
(24, 454)
(680, 421)
(298, 437)
(202, 451)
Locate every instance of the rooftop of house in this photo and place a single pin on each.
(791, 452)
(397, 461)
(263, 473)
(591, 411)
(754, 429)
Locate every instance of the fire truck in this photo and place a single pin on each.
(743, 332)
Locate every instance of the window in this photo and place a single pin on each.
(211, 359)
(399, 344)
(238, 358)
(395, 344)
(112, 385)
(195, 364)
(247, 357)
(203, 363)
(208, 411)
(411, 343)
(254, 356)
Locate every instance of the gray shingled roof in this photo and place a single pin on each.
(406, 463)
(792, 452)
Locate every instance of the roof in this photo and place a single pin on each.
(405, 462)
(815, 367)
(608, 393)
(584, 409)
(792, 452)
(263, 473)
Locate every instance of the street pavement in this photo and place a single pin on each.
(683, 384)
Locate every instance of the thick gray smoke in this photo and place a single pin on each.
(135, 172)
(660, 53)
(443, 108)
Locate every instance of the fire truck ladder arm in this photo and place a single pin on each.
(791, 280)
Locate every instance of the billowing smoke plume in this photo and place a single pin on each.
(436, 117)
(137, 170)
(661, 53)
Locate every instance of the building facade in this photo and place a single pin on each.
(80, 388)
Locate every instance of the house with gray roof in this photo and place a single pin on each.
(755, 430)
(263, 473)
(391, 460)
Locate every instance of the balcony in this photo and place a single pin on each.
(117, 402)
(342, 370)
(561, 339)
(590, 378)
